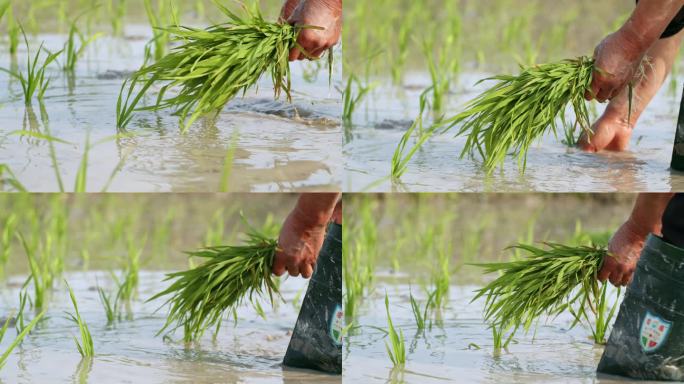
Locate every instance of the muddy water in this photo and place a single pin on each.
(279, 147)
(551, 166)
(461, 347)
(129, 351)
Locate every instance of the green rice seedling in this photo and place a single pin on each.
(110, 306)
(118, 10)
(399, 62)
(518, 110)
(129, 286)
(159, 19)
(601, 310)
(199, 297)
(5, 325)
(501, 341)
(421, 316)
(41, 276)
(8, 177)
(441, 275)
(396, 349)
(400, 242)
(19, 323)
(85, 258)
(400, 159)
(8, 229)
(212, 66)
(13, 31)
(216, 230)
(359, 260)
(350, 100)
(72, 52)
(352, 281)
(548, 281)
(440, 76)
(85, 346)
(80, 181)
(20, 337)
(51, 145)
(4, 6)
(34, 82)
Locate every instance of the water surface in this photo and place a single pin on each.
(129, 351)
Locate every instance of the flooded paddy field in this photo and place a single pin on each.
(457, 46)
(145, 237)
(421, 248)
(256, 143)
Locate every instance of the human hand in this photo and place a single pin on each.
(610, 132)
(617, 60)
(325, 14)
(298, 247)
(624, 251)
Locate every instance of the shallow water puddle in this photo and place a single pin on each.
(129, 351)
(461, 347)
(278, 146)
(551, 166)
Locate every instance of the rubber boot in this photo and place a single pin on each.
(316, 342)
(678, 151)
(647, 341)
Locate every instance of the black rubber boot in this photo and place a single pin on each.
(316, 342)
(647, 341)
(678, 150)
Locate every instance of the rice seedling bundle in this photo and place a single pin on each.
(199, 297)
(211, 66)
(518, 110)
(548, 281)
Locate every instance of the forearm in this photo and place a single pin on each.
(648, 212)
(315, 209)
(648, 21)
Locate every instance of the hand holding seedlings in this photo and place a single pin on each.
(628, 241)
(619, 55)
(517, 110)
(613, 130)
(303, 233)
(326, 14)
(212, 66)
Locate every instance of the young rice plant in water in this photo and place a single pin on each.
(396, 349)
(34, 82)
(201, 296)
(85, 346)
(518, 110)
(20, 337)
(548, 281)
(211, 66)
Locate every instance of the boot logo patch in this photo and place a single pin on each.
(654, 332)
(337, 325)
